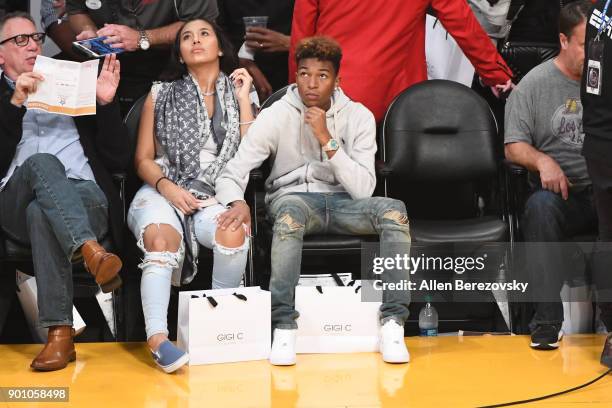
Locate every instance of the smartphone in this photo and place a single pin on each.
(95, 47)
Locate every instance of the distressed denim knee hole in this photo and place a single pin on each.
(230, 250)
(172, 259)
(286, 226)
(288, 220)
(166, 258)
(396, 216)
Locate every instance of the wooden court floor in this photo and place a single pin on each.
(443, 372)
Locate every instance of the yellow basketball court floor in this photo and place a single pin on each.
(443, 372)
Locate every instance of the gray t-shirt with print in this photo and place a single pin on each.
(545, 111)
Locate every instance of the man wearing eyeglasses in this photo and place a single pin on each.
(56, 191)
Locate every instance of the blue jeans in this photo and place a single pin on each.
(55, 215)
(548, 219)
(298, 214)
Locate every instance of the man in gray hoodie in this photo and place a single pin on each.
(321, 146)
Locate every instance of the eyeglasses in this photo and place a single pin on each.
(23, 39)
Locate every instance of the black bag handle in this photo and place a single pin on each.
(337, 279)
(339, 282)
(211, 300)
(240, 296)
(352, 283)
(214, 303)
(516, 6)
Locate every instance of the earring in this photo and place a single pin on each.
(220, 53)
(181, 61)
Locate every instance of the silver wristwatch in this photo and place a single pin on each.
(331, 146)
(143, 42)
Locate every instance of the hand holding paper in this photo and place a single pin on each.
(26, 84)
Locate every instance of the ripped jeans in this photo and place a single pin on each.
(298, 214)
(162, 269)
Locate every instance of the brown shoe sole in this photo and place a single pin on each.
(112, 284)
(107, 273)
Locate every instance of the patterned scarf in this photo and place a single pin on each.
(182, 128)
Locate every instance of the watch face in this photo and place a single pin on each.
(93, 4)
(144, 43)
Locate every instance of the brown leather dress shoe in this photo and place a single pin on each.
(103, 265)
(58, 351)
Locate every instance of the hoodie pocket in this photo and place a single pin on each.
(293, 178)
(321, 172)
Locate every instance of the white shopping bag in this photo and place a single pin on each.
(105, 300)
(224, 325)
(335, 319)
(325, 279)
(28, 297)
(492, 17)
(445, 60)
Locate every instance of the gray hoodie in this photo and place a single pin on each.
(298, 163)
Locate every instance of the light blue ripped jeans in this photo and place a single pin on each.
(162, 269)
(298, 214)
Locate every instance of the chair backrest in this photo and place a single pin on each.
(274, 97)
(439, 131)
(132, 122)
(439, 140)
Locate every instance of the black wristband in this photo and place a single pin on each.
(157, 182)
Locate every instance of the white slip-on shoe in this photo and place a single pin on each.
(283, 347)
(392, 345)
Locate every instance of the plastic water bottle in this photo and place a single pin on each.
(428, 319)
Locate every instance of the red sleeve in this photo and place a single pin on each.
(305, 14)
(458, 18)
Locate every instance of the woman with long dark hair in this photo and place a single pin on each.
(189, 129)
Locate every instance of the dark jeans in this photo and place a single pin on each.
(55, 215)
(549, 219)
(601, 264)
(299, 214)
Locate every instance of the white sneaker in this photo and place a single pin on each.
(283, 347)
(392, 345)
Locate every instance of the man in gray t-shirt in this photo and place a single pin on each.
(146, 31)
(545, 112)
(544, 134)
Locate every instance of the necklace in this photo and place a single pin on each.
(208, 93)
